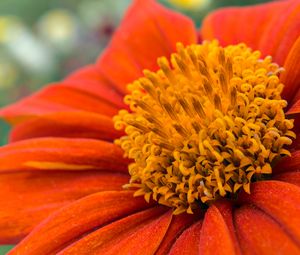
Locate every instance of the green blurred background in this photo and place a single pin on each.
(42, 41)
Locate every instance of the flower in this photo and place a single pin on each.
(62, 175)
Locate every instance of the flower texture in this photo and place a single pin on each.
(208, 131)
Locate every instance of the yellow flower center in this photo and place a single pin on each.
(204, 126)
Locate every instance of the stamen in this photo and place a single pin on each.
(204, 126)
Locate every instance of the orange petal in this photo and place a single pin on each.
(280, 200)
(78, 218)
(88, 79)
(148, 31)
(290, 177)
(291, 76)
(77, 124)
(62, 154)
(110, 236)
(178, 225)
(288, 164)
(188, 241)
(55, 98)
(216, 236)
(26, 198)
(294, 109)
(260, 234)
(263, 27)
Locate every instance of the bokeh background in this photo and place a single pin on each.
(42, 41)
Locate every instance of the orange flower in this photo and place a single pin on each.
(62, 175)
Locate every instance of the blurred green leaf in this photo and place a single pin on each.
(4, 249)
(4, 128)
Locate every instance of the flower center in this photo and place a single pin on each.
(204, 126)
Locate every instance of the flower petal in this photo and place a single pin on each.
(216, 236)
(26, 198)
(288, 164)
(78, 218)
(178, 225)
(290, 177)
(294, 109)
(291, 77)
(280, 200)
(55, 98)
(78, 124)
(260, 234)
(263, 27)
(62, 154)
(188, 241)
(110, 236)
(88, 79)
(148, 31)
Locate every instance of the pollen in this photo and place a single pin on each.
(204, 126)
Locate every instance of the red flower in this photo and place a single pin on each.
(62, 175)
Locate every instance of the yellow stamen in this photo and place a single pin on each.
(204, 126)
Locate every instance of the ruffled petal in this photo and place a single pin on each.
(148, 31)
(217, 234)
(113, 235)
(77, 124)
(188, 241)
(280, 200)
(271, 27)
(26, 198)
(260, 234)
(78, 218)
(62, 154)
(178, 225)
(290, 177)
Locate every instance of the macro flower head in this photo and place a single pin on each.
(177, 140)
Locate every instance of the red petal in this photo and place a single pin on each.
(280, 200)
(260, 234)
(288, 164)
(188, 241)
(78, 218)
(67, 124)
(88, 79)
(110, 236)
(290, 177)
(271, 27)
(178, 224)
(291, 76)
(56, 98)
(26, 198)
(62, 154)
(295, 108)
(148, 31)
(216, 236)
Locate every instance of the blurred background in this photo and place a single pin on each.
(42, 41)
